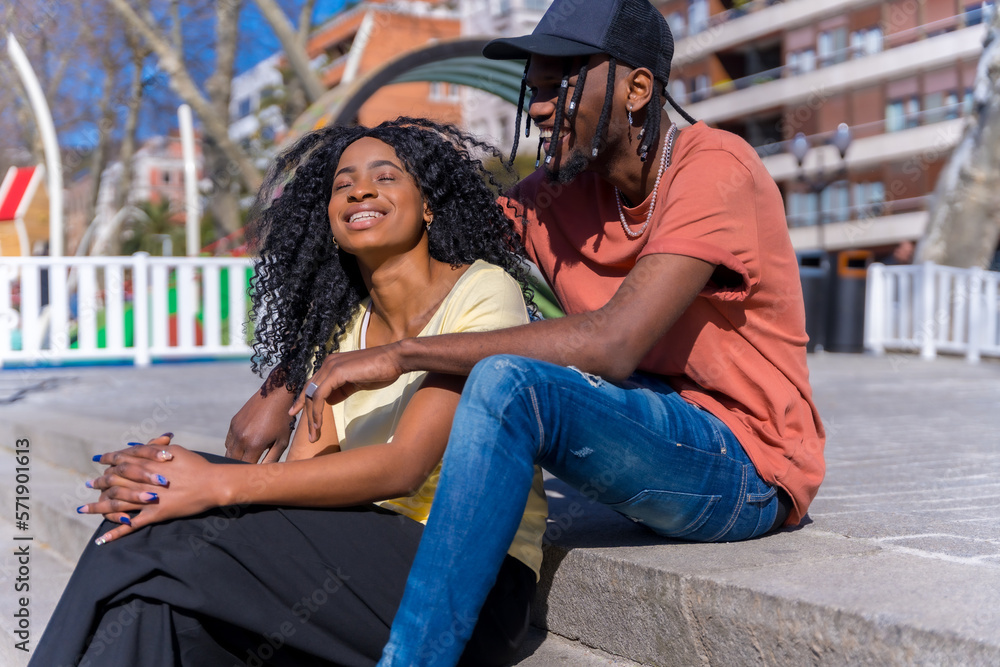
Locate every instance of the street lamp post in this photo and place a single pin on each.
(823, 316)
(841, 140)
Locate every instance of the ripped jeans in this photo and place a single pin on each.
(637, 447)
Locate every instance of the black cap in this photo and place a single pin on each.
(633, 31)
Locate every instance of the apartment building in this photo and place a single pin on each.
(371, 33)
(484, 114)
(898, 73)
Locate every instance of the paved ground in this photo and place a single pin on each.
(897, 563)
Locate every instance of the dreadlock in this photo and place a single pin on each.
(602, 124)
(684, 114)
(520, 109)
(560, 112)
(651, 126)
(581, 79)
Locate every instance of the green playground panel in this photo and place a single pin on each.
(171, 310)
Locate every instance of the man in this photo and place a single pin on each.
(675, 390)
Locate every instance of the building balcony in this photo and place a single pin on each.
(814, 87)
(756, 20)
(923, 145)
(866, 232)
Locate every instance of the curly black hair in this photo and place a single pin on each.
(305, 290)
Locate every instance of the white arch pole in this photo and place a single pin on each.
(192, 206)
(53, 162)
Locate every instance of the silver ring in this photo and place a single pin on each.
(311, 389)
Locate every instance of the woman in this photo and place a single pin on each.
(365, 236)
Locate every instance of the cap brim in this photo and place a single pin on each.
(516, 48)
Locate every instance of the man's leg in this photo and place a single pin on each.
(638, 447)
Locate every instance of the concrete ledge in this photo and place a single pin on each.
(899, 566)
(802, 596)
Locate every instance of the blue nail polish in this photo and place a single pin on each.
(133, 444)
(97, 457)
(168, 434)
(88, 484)
(161, 480)
(147, 496)
(82, 509)
(127, 521)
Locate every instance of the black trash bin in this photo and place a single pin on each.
(814, 272)
(846, 317)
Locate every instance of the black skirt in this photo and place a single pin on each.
(254, 586)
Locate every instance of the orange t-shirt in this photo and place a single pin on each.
(739, 350)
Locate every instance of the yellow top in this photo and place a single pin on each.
(483, 299)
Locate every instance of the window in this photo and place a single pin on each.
(697, 16)
(912, 118)
(802, 61)
(499, 7)
(952, 108)
(832, 47)
(968, 103)
(835, 203)
(243, 108)
(443, 92)
(679, 91)
(978, 12)
(894, 116)
(678, 26)
(868, 199)
(803, 209)
(166, 178)
(934, 106)
(701, 87)
(866, 42)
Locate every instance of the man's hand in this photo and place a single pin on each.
(341, 375)
(262, 424)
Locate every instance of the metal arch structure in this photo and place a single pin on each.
(457, 61)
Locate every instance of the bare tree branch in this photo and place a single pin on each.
(293, 46)
(214, 125)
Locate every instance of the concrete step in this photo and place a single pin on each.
(544, 649)
(47, 574)
(798, 597)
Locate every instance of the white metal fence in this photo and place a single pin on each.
(929, 309)
(141, 308)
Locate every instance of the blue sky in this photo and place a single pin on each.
(263, 42)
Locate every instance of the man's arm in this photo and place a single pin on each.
(262, 424)
(610, 342)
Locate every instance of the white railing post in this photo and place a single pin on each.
(86, 302)
(975, 311)
(928, 315)
(31, 300)
(876, 307)
(8, 316)
(140, 308)
(114, 307)
(238, 311)
(211, 306)
(187, 308)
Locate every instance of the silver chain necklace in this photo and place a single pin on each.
(665, 158)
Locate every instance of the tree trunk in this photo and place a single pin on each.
(213, 125)
(224, 200)
(964, 225)
(294, 47)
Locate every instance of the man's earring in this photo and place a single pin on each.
(336, 246)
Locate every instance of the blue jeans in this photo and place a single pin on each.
(637, 447)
